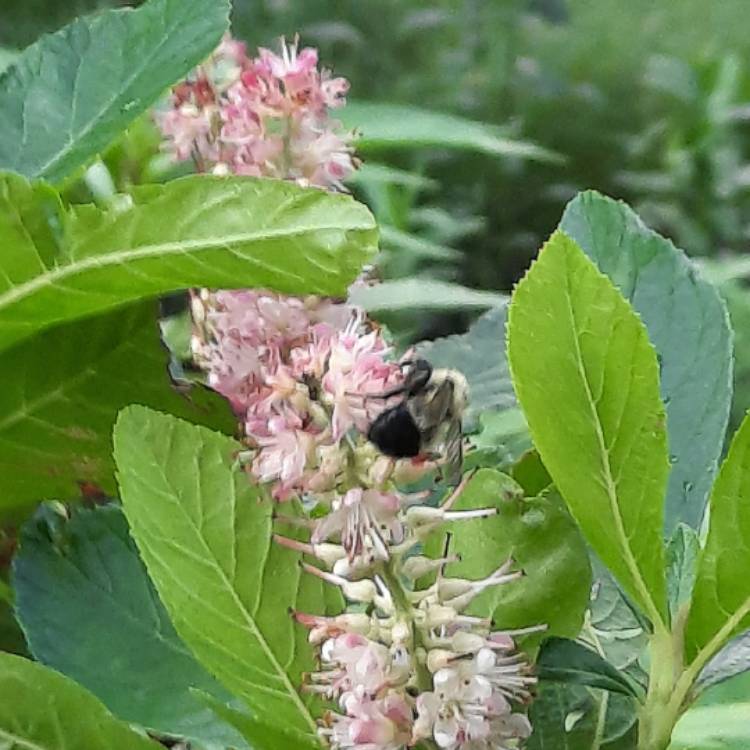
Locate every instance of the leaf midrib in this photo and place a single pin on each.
(604, 453)
(252, 627)
(20, 741)
(164, 249)
(30, 408)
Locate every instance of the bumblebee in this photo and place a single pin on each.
(427, 421)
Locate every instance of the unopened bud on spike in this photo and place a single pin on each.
(401, 632)
(354, 569)
(329, 554)
(439, 616)
(464, 643)
(418, 566)
(451, 587)
(439, 658)
(425, 516)
(358, 591)
(463, 601)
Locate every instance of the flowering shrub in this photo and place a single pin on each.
(265, 554)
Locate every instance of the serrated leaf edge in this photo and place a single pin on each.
(654, 611)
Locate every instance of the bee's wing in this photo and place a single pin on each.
(454, 451)
(430, 408)
(437, 425)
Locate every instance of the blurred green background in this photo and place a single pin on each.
(645, 100)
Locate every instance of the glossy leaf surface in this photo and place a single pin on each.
(42, 710)
(598, 423)
(71, 93)
(84, 599)
(204, 533)
(688, 325)
(224, 232)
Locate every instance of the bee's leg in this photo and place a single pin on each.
(458, 490)
(408, 356)
(383, 470)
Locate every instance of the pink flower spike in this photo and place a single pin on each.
(266, 116)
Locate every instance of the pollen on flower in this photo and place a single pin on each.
(267, 115)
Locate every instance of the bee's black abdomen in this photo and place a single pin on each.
(395, 433)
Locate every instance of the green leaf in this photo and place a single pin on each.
(571, 717)
(11, 637)
(614, 627)
(570, 662)
(398, 241)
(197, 231)
(598, 424)
(540, 536)
(721, 596)
(7, 56)
(713, 728)
(688, 325)
(504, 432)
(61, 394)
(85, 600)
(530, 473)
(480, 355)
(177, 332)
(42, 710)
(260, 735)
(395, 125)
(204, 533)
(423, 294)
(383, 174)
(730, 662)
(73, 92)
(682, 555)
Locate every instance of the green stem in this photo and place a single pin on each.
(601, 721)
(405, 609)
(669, 684)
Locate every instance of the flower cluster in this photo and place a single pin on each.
(262, 116)
(297, 372)
(413, 666)
(306, 378)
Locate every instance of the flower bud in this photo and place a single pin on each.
(465, 643)
(401, 632)
(438, 658)
(418, 565)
